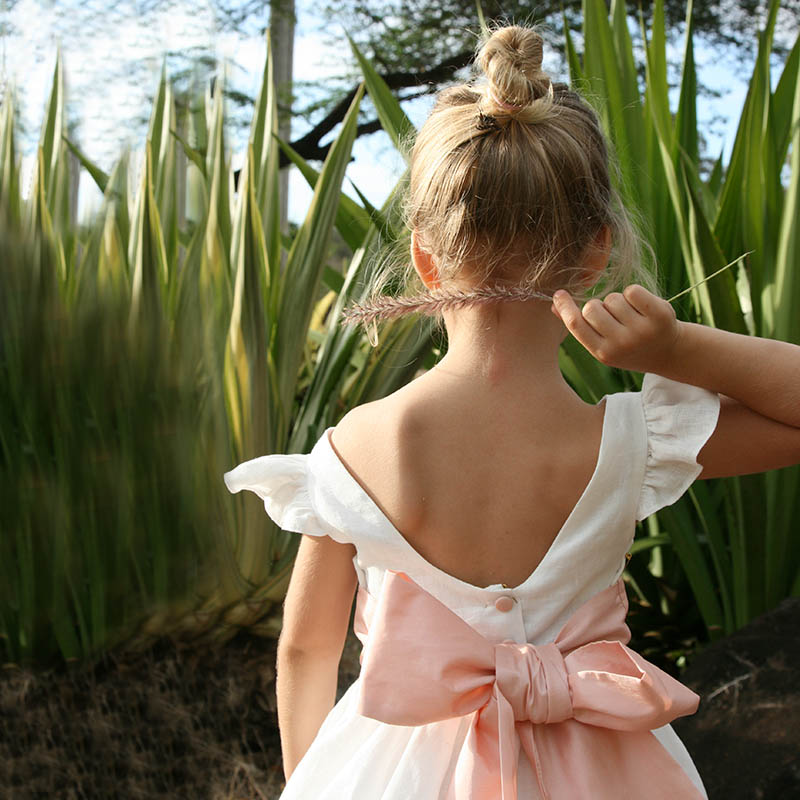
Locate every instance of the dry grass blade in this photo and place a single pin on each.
(709, 277)
(432, 303)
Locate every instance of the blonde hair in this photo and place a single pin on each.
(510, 189)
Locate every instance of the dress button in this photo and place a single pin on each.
(504, 603)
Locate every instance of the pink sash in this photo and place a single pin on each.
(582, 708)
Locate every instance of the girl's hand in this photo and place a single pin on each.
(634, 330)
(758, 379)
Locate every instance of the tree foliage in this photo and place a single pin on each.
(420, 45)
(415, 36)
(417, 45)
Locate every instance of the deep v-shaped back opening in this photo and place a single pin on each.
(381, 514)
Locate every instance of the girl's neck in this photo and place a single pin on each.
(505, 343)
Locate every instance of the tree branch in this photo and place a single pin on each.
(309, 147)
(311, 150)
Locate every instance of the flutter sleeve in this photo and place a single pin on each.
(283, 483)
(679, 419)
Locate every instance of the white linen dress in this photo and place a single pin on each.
(647, 459)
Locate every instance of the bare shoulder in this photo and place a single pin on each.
(376, 428)
(354, 425)
(357, 428)
(379, 444)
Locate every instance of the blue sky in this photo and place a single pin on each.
(106, 107)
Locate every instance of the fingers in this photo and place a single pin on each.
(601, 326)
(640, 299)
(622, 310)
(626, 308)
(605, 317)
(576, 322)
(599, 316)
(648, 305)
(625, 330)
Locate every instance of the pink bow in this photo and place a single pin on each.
(582, 707)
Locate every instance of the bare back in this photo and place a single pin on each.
(479, 479)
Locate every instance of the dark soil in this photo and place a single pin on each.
(173, 722)
(745, 738)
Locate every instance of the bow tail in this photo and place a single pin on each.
(575, 761)
(487, 764)
(528, 741)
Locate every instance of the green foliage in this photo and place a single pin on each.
(419, 45)
(144, 354)
(735, 539)
(107, 442)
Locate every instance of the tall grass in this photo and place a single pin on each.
(146, 352)
(736, 540)
(179, 332)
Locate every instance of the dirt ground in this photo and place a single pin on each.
(174, 722)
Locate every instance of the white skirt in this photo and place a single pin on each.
(356, 757)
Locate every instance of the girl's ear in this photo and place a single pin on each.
(424, 263)
(597, 256)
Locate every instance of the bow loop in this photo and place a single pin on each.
(533, 678)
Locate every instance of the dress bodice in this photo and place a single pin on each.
(647, 459)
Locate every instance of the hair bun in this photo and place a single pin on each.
(511, 58)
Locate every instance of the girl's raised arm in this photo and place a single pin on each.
(758, 379)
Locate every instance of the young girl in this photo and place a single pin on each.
(484, 511)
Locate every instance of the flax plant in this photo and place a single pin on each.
(146, 352)
(737, 541)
